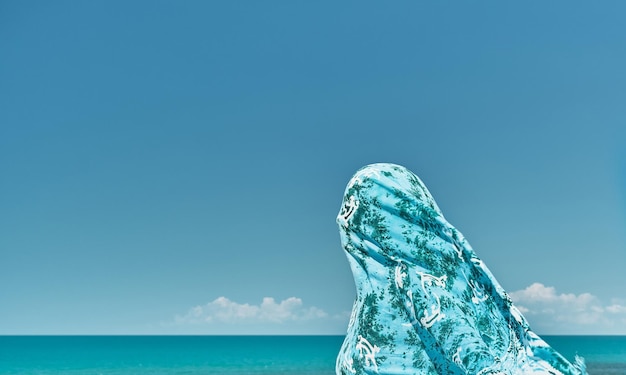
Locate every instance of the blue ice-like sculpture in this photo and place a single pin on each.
(426, 304)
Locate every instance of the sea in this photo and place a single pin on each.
(231, 355)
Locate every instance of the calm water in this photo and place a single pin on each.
(230, 355)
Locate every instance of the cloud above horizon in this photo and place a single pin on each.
(566, 313)
(547, 310)
(223, 310)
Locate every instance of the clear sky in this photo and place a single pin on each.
(177, 167)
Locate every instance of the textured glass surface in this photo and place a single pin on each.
(426, 304)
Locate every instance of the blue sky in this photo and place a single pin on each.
(176, 168)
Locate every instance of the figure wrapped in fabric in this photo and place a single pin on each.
(426, 304)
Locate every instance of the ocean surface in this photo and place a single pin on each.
(231, 355)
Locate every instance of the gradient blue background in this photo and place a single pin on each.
(157, 155)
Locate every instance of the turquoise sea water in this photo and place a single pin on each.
(230, 355)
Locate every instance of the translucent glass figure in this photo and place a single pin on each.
(426, 304)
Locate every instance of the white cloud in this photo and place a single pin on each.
(567, 313)
(616, 309)
(223, 310)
